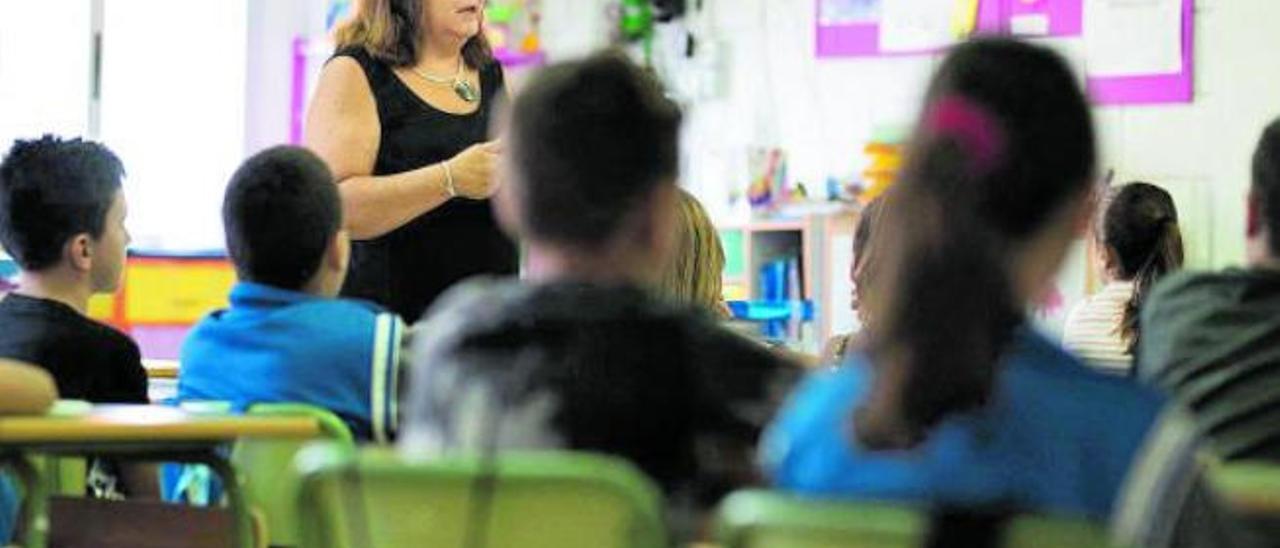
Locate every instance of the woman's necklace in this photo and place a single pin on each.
(460, 86)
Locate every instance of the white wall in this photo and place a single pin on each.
(773, 91)
(823, 111)
(48, 91)
(272, 27)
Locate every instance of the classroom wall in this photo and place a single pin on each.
(273, 26)
(822, 112)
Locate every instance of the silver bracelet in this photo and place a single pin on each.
(448, 180)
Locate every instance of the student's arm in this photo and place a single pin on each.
(343, 128)
(25, 389)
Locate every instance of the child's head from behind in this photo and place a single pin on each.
(1140, 231)
(62, 211)
(1141, 242)
(591, 162)
(283, 220)
(696, 266)
(1264, 198)
(996, 186)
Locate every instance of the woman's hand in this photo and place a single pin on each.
(474, 170)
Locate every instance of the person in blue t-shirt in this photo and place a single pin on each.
(285, 338)
(956, 401)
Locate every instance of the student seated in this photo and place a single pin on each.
(24, 390)
(840, 346)
(62, 220)
(580, 355)
(285, 338)
(695, 269)
(957, 401)
(1210, 338)
(62, 215)
(1139, 242)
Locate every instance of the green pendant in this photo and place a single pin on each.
(465, 91)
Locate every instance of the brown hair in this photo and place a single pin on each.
(1140, 227)
(693, 275)
(1004, 143)
(389, 31)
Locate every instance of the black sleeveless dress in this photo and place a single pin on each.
(406, 269)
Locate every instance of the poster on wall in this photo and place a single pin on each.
(922, 25)
(847, 12)
(1123, 37)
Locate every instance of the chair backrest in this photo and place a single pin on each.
(1251, 488)
(375, 497)
(759, 519)
(768, 519)
(265, 464)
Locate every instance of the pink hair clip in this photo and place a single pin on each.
(974, 129)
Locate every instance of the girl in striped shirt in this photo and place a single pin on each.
(1139, 242)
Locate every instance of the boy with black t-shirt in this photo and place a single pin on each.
(62, 217)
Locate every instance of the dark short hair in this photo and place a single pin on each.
(52, 189)
(280, 212)
(1266, 180)
(590, 138)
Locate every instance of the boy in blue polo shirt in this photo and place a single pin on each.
(285, 337)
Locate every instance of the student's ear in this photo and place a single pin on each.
(338, 257)
(79, 252)
(662, 219)
(1253, 217)
(506, 208)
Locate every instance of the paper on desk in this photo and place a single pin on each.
(919, 25)
(1133, 37)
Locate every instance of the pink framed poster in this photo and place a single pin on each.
(1154, 88)
(851, 28)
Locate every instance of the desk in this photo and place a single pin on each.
(161, 369)
(138, 432)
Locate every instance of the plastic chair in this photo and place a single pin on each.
(760, 519)
(375, 497)
(766, 519)
(265, 464)
(1251, 488)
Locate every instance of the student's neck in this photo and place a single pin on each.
(548, 264)
(55, 287)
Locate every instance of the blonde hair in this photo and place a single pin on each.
(389, 30)
(694, 271)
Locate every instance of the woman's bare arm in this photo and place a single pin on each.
(343, 129)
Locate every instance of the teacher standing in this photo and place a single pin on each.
(401, 115)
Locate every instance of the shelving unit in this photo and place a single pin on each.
(823, 269)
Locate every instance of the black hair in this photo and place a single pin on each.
(51, 190)
(1266, 181)
(281, 211)
(590, 139)
(1140, 228)
(1004, 142)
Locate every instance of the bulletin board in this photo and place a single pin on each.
(851, 28)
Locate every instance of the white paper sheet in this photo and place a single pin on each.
(916, 25)
(1133, 37)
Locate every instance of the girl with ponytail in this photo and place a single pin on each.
(956, 400)
(1139, 242)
